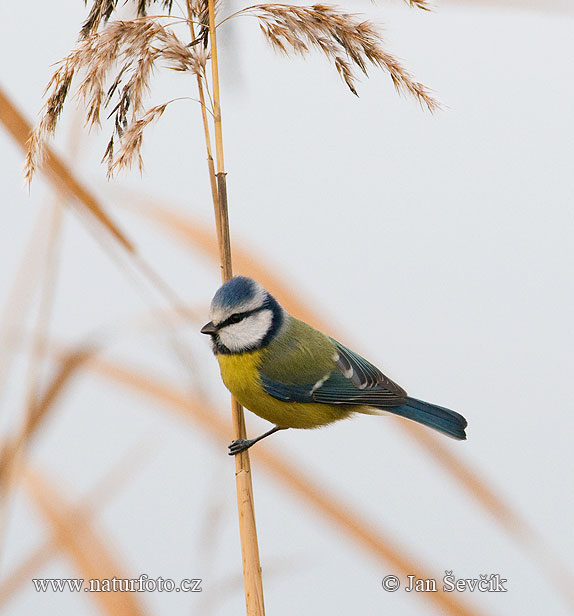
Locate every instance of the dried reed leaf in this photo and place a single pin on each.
(91, 555)
(88, 508)
(66, 183)
(46, 288)
(351, 522)
(20, 577)
(20, 294)
(350, 43)
(57, 171)
(68, 368)
(63, 181)
(12, 448)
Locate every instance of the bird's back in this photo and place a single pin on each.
(300, 355)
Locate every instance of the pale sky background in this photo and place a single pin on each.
(439, 246)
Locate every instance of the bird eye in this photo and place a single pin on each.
(235, 318)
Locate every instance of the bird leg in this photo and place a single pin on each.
(242, 444)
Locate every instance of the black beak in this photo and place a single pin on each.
(209, 328)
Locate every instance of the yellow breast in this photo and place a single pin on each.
(241, 376)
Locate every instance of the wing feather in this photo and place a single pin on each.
(351, 380)
(364, 375)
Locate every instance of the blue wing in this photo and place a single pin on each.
(353, 380)
(347, 378)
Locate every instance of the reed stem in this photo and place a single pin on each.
(252, 581)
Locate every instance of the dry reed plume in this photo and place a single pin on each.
(350, 43)
(102, 10)
(115, 62)
(133, 48)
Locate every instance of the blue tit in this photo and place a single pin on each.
(297, 377)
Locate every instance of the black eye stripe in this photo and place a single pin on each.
(238, 317)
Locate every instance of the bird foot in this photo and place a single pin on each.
(241, 444)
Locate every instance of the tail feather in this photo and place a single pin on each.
(444, 420)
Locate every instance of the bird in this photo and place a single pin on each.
(294, 375)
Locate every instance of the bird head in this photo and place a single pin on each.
(244, 317)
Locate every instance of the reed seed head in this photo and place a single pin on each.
(347, 41)
(115, 67)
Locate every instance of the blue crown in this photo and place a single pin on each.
(235, 291)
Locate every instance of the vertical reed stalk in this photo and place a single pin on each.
(247, 529)
(210, 165)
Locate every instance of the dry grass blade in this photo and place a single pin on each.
(89, 553)
(11, 449)
(46, 290)
(350, 43)
(66, 184)
(19, 296)
(58, 173)
(133, 49)
(20, 577)
(67, 369)
(87, 509)
(353, 523)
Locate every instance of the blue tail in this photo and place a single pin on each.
(444, 420)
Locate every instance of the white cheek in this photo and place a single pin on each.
(246, 333)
